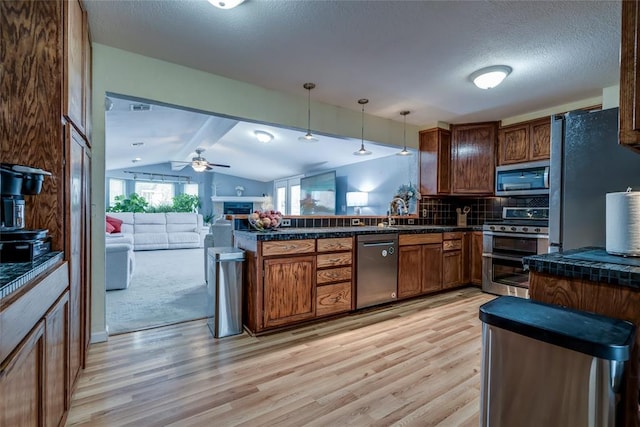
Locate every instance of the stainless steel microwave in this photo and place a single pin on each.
(523, 179)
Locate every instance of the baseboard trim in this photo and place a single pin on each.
(101, 336)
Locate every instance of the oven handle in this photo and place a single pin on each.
(505, 257)
(517, 235)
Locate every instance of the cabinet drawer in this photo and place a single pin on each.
(333, 299)
(419, 239)
(333, 275)
(452, 245)
(333, 260)
(338, 244)
(452, 235)
(285, 247)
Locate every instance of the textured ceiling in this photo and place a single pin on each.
(414, 55)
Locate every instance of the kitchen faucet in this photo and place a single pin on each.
(401, 211)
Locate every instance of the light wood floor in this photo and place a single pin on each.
(413, 363)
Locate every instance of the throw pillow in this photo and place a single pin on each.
(117, 224)
(110, 227)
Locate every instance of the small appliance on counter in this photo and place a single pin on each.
(623, 223)
(18, 244)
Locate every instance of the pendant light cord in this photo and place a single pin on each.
(362, 134)
(309, 111)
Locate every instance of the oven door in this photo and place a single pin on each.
(506, 271)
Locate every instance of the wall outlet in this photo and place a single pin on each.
(424, 213)
(285, 222)
(355, 221)
(410, 221)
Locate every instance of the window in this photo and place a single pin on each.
(191, 189)
(287, 193)
(156, 193)
(116, 188)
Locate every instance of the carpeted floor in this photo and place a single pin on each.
(167, 287)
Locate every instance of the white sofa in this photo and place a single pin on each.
(151, 231)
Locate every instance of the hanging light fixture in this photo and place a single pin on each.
(308, 137)
(404, 151)
(362, 151)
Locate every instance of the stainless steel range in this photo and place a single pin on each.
(521, 232)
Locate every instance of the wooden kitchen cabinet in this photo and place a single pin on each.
(334, 276)
(452, 260)
(289, 290)
(22, 382)
(419, 264)
(476, 258)
(75, 64)
(630, 75)
(524, 142)
(57, 356)
(473, 158)
(435, 162)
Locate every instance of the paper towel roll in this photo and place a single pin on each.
(623, 223)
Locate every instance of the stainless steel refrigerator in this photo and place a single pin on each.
(586, 163)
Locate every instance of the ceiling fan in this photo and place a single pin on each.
(200, 164)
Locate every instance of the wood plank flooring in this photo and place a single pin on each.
(412, 363)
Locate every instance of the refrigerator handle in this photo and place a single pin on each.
(546, 177)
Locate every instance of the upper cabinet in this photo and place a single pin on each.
(76, 67)
(435, 162)
(524, 142)
(630, 75)
(473, 158)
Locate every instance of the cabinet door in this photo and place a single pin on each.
(76, 235)
(431, 268)
(21, 382)
(630, 75)
(57, 354)
(333, 299)
(289, 290)
(476, 258)
(513, 144)
(540, 141)
(451, 269)
(410, 272)
(435, 162)
(473, 158)
(86, 252)
(74, 65)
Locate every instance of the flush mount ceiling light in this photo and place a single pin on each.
(308, 137)
(362, 151)
(263, 136)
(404, 151)
(490, 77)
(225, 4)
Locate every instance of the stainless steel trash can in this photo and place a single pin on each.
(224, 291)
(544, 365)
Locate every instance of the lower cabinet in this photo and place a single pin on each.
(452, 260)
(56, 370)
(476, 258)
(419, 264)
(21, 385)
(334, 298)
(334, 276)
(289, 290)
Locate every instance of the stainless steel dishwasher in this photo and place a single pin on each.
(377, 269)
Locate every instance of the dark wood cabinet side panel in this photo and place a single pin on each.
(555, 290)
(476, 258)
(30, 84)
(630, 75)
(444, 163)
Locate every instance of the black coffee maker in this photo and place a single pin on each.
(18, 244)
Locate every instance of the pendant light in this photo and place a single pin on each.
(404, 151)
(308, 137)
(362, 151)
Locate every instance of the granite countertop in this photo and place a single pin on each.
(14, 275)
(589, 263)
(328, 232)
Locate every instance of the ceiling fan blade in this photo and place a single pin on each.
(217, 165)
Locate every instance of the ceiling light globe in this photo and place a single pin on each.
(490, 77)
(263, 136)
(199, 166)
(225, 4)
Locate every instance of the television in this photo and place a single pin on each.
(318, 194)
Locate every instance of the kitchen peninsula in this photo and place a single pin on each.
(589, 279)
(301, 274)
